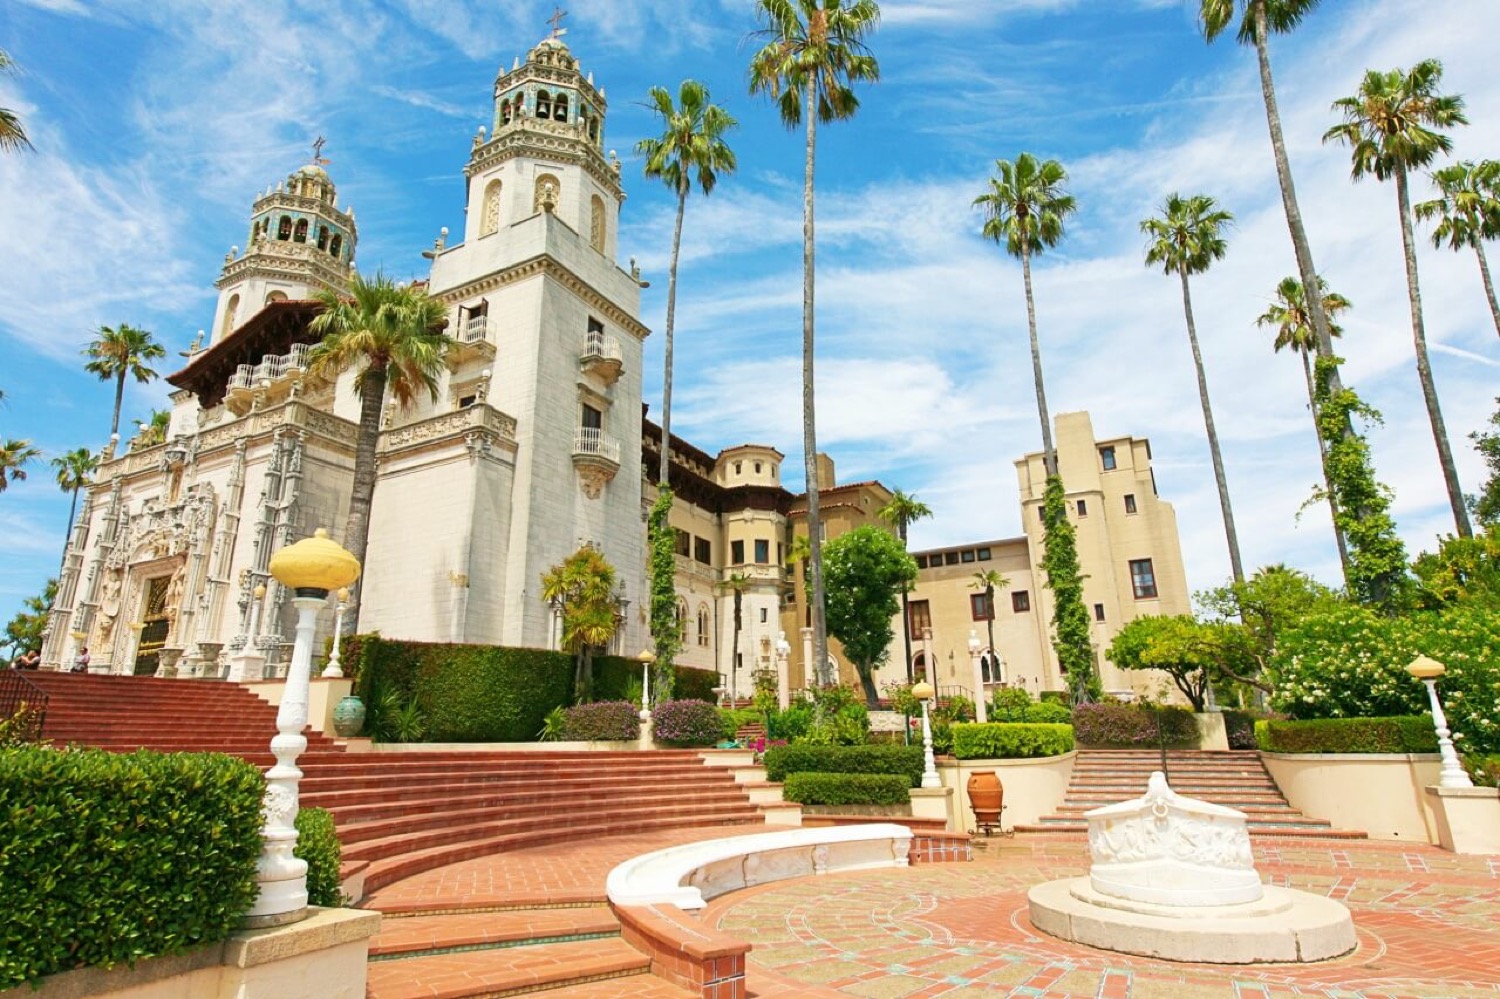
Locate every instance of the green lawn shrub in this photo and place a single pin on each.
(687, 723)
(1239, 729)
(1133, 726)
(1399, 734)
(1055, 696)
(106, 858)
(731, 720)
(1010, 740)
(846, 789)
(602, 721)
(1046, 713)
(781, 761)
(318, 844)
(791, 724)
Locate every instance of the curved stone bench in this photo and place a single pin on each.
(687, 876)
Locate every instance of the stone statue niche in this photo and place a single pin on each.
(1174, 878)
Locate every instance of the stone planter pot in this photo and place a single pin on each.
(349, 717)
(986, 797)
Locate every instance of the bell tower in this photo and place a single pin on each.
(299, 243)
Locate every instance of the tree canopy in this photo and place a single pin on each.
(868, 568)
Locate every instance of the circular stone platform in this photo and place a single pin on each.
(1284, 926)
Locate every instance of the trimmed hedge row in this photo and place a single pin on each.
(1131, 726)
(318, 844)
(484, 693)
(1400, 734)
(106, 858)
(904, 760)
(1010, 740)
(846, 789)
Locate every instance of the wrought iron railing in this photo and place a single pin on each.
(24, 702)
(476, 328)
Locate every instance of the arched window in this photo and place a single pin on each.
(322, 237)
(548, 193)
(682, 616)
(596, 223)
(284, 228)
(490, 220)
(919, 665)
(593, 128)
(336, 244)
(299, 234)
(276, 296)
(543, 105)
(560, 108)
(505, 112)
(703, 626)
(230, 311)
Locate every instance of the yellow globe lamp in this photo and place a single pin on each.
(922, 690)
(1424, 668)
(647, 657)
(315, 565)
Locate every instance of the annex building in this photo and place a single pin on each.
(536, 444)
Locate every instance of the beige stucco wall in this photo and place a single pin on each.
(1380, 794)
(323, 695)
(1033, 788)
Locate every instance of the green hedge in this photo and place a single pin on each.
(1010, 740)
(318, 844)
(1239, 729)
(106, 858)
(905, 760)
(1401, 734)
(846, 789)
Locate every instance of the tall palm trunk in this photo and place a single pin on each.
(809, 430)
(1300, 245)
(911, 676)
(734, 655)
(114, 424)
(666, 384)
(1489, 286)
(1424, 367)
(1049, 456)
(989, 624)
(357, 527)
(68, 535)
(1230, 534)
(1333, 502)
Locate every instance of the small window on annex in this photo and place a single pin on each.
(736, 553)
(596, 223)
(1130, 503)
(967, 555)
(683, 541)
(702, 551)
(703, 627)
(1143, 578)
(1098, 612)
(1107, 458)
(1083, 508)
(1020, 601)
(918, 618)
(980, 607)
(762, 552)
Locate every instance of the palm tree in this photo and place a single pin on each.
(582, 587)
(1186, 239)
(1024, 209)
(987, 582)
(815, 51)
(736, 583)
(119, 351)
(1258, 19)
(691, 146)
(12, 133)
(154, 428)
(74, 469)
(900, 512)
(1469, 210)
(1289, 316)
(1392, 126)
(394, 335)
(14, 456)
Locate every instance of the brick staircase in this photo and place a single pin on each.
(1237, 779)
(402, 813)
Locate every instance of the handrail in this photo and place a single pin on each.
(17, 694)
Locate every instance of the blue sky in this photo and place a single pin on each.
(156, 124)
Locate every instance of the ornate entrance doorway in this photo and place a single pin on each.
(156, 626)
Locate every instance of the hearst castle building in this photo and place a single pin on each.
(535, 445)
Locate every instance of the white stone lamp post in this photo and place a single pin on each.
(783, 678)
(981, 696)
(1453, 773)
(924, 692)
(647, 659)
(333, 670)
(309, 568)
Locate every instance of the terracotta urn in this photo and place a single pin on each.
(986, 797)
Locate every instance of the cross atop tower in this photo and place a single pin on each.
(317, 156)
(556, 21)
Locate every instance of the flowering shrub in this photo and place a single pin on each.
(759, 747)
(1132, 725)
(1350, 663)
(688, 723)
(604, 721)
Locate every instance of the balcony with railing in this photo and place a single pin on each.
(601, 357)
(274, 375)
(596, 456)
(471, 342)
